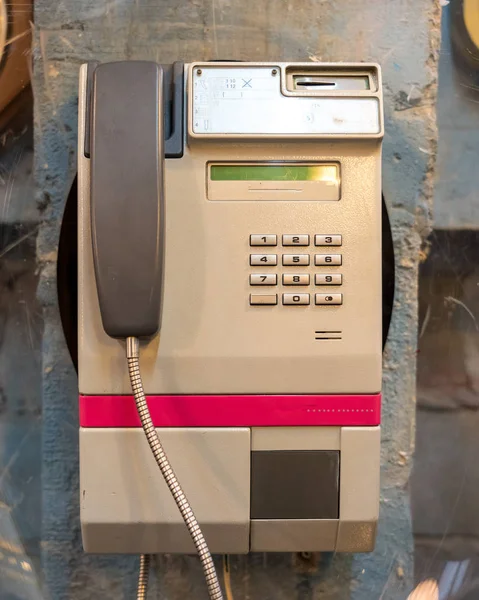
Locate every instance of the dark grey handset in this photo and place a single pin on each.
(127, 195)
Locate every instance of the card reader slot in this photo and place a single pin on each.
(330, 82)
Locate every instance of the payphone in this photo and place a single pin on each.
(229, 244)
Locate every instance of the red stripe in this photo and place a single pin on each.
(234, 411)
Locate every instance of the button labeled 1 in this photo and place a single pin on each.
(258, 239)
(323, 299)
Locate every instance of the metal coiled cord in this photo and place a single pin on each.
(132, 354)
(143, 577)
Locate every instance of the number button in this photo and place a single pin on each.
(291, 279)
(296, 299)
(258, 239)
(298, 260)
(328, 259)
(323, 299)
(328, 279)
(328, 240)
(296, 240)
(263, 260)
(260, 279)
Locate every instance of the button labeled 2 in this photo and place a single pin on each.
(296, 240)
(263, 260)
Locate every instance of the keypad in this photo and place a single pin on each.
(309, 269)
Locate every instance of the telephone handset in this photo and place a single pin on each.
(127, 195)
(240, 205)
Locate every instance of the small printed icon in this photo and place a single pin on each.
(247, 83)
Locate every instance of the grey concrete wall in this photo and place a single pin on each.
(403, 36)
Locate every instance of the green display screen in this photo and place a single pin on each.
(275, 172)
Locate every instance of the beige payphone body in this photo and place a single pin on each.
(264, 379)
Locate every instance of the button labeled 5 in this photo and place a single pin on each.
(299, 260)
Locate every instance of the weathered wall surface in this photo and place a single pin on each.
(401, 35)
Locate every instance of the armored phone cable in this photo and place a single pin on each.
(214, 589)
(143, 577)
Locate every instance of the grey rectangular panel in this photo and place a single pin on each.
(298, 535)
(126, 506)
(248, 100)
(295, 484)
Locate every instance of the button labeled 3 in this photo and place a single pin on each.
(328, 240)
